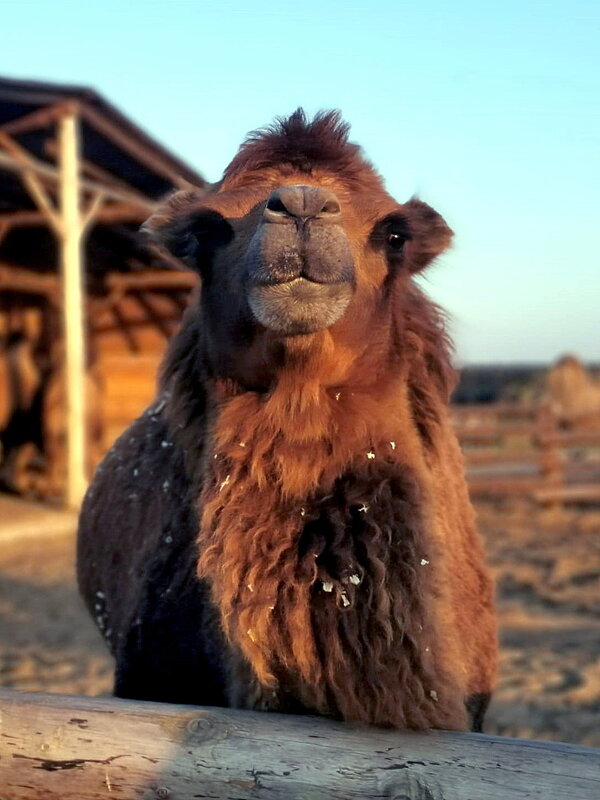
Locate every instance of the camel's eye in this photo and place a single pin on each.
(210, 230)
(389, 236)
(395, 241)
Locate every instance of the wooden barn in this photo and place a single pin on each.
(86, 306)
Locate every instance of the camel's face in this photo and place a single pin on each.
(308, 243)
(291, 256)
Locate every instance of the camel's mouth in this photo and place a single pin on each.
(299, 306)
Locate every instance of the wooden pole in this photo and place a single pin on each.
(55, 747)
(70, 238)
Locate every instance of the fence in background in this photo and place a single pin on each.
(523, 450)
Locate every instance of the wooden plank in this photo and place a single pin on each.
(496, 410)
(572, 439)
(582, 492)
(58, 747)
(505, 485)
(500, 430)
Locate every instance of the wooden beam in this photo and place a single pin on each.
(71, 235)
(131, 146)
(58, 747)
(151, 279)
(50, 174)
(40, 118)
(98, 174)
(91, 212)
(16, 279)
(32, 183)
(108, 214)
(165, 326)
(126, 329)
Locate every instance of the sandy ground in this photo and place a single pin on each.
(548, 572)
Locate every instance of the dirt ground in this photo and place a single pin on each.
(547, 567)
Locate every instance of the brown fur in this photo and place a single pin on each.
(336, 534)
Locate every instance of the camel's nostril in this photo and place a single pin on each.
(331, 207)
(274, 203)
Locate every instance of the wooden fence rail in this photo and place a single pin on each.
(59, 747)
(520, 450)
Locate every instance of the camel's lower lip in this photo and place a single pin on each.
(300, 305)
(301, 286)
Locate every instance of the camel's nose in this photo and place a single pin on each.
(303, 203)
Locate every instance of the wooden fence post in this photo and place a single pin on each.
(550, 456)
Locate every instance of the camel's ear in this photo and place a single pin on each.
(429, 234)
(186, 229)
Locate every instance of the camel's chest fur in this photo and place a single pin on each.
(323, 572)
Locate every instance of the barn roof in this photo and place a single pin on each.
(110, 140)
(123, 174)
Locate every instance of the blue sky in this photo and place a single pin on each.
(488, 111)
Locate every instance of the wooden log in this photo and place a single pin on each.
(67, 748)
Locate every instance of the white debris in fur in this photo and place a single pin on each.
(250, 587)
(166, 443)
(242, 444)
(302, 512)
(250, 633)
(364, 508)
(136, 472)
(393, 445)
(433, 694)
(100, 594)
(224, 483)
(354, 579)
(344, 598)
(159, 407)
(370, 454)
(168, 539)
(216, 455)
(424, 562)
(327, 586)
(338, 395)
(165, 485)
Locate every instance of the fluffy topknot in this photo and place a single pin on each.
(302, 144)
